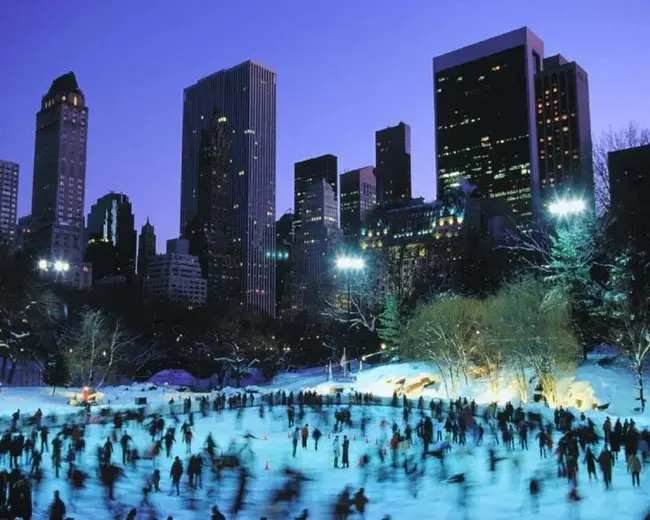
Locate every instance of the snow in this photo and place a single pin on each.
(504, 499)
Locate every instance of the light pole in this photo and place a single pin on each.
(349, 264)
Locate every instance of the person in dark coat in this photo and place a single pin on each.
(346, 452)
(57, 509)
(606, 461)
(131, 515)
(176, 473)
(590, 460)
(316, 434)
(360, 502)
(216, 514)
(535, 489)
(20, 499)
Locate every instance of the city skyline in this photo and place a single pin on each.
(337, 116)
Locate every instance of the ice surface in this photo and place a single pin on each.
(505, 498)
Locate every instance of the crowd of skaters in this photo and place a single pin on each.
(435, 432)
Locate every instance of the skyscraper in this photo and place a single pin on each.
(564, 130)
(393, 164)
(23, 231)
(111, 220)
(306, 173)
(146, 247)
(244, 99)
(358, 197)
(60, 172)
(8, 201)
(315, 242)
(210, 230)
(485, 119)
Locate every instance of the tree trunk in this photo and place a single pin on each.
(4, 367)
(639, 382)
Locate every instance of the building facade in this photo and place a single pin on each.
(244, 96)
(284, 263)
(315, 244)
(306, 173)
(564, 131)
(176, 276)
(210, 231)
(146, 247)
(358, 198)
(111, 221)
(23, 232)
(485, 125)
(629, 178)
(60, 172)
(393, 164)
(9, 172)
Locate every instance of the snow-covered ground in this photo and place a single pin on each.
(504, 499)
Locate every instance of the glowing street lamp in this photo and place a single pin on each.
(350, 263)
(42, 265)
(61, 267)
(567, 207)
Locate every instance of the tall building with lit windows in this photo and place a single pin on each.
(8, 202)
(485, 127)
(358, 199)
(306, 173)
(243, 97)
(315, 243)
(60, 172)
(564, 131)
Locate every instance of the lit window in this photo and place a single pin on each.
(74, 100)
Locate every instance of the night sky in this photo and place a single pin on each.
(345, 68)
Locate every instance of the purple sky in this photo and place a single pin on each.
(345, 68)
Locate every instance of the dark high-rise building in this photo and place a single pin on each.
(284, 262)
(307, 173)
(60, 172)
(146, 247)
(8, 203)
(210, 230)
(23, 231)
(358, 198)
(313, 250)
(111, 221)
(244, 97)
(564, 131)
(485, 119)
(393, 164)
(629, 178)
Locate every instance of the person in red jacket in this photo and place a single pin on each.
(360, 502)
(304, 434)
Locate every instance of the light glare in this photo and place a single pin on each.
(350, 262)
(565, 207)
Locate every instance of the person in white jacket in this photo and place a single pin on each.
(336, 446)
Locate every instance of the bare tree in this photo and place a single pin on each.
(611, 140)
(95, 346)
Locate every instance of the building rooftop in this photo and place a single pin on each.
(64, 85)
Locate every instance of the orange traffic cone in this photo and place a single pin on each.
(267, 467)
(266, 438)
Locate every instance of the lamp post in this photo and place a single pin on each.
(349, 264)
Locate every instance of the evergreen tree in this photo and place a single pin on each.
(388, 329)
(56, 372)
